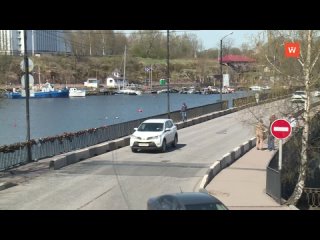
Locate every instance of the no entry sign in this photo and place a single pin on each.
(281, 128)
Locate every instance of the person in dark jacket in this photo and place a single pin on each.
(184, 112)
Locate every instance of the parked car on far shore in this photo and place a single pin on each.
(317, 94)
(299, 96)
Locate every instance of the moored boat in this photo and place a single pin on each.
(74, 92)
(47, 91)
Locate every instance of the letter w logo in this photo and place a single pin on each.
(292, 50)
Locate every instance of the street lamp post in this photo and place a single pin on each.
(168, 74)
(26, 66)
(221, 75)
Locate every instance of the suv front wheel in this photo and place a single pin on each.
(175, 141)
(164, 146)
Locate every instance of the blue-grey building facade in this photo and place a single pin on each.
(38, 42)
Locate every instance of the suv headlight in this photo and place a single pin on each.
(135, 138)
(153, 138)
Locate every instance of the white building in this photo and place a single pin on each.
(114, 82)
(38, 41)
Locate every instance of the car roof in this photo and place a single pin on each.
(156, 120)
(194, 197)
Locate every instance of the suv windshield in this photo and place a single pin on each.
(300, 93)
(151, 127)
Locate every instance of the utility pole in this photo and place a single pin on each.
(168, 74)
(26, 65)
(103, 53)
(124, 66)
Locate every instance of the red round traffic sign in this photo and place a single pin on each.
(281, 128)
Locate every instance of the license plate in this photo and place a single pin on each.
(143, 144)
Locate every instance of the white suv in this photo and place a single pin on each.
(154, 134)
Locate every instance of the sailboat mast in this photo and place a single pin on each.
(124, 65)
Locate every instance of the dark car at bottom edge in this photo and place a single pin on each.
(185, 201)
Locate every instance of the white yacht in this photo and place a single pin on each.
(74, 92)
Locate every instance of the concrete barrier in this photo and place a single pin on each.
(252, 142)
(225, 161)
(82, 154)
(112, 146)
(98, 149)
(246, 147)
(211, 173)
(195, 121)
(234, 109)
(214, 115)
(5, 185)
(126, 141)
(237, 153)
(58, 163)
(215, 169)
(219, 114)
(202, 119)
(72, 158)
(189, 123)
(203, 183)
(227, 111)
(119, 143)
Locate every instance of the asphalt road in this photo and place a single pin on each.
(124, 180)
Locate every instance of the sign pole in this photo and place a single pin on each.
(280, 154)
(280, 167)
(280, 129)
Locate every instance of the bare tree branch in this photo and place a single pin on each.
(314, 61)
(301, 63)
(278, 70)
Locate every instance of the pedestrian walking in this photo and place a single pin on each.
(184, 112)
(293, 123)
(270, 136)
(260, 129)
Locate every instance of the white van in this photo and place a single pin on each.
(92, 82)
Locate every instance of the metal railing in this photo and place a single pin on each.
(273, 184)
(313, 197)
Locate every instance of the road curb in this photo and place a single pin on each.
(6, 185)
(226, 161)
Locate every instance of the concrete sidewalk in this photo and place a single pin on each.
(242, 185)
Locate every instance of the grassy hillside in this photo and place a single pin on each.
(75, 70)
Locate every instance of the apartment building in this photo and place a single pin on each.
(38, 42)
